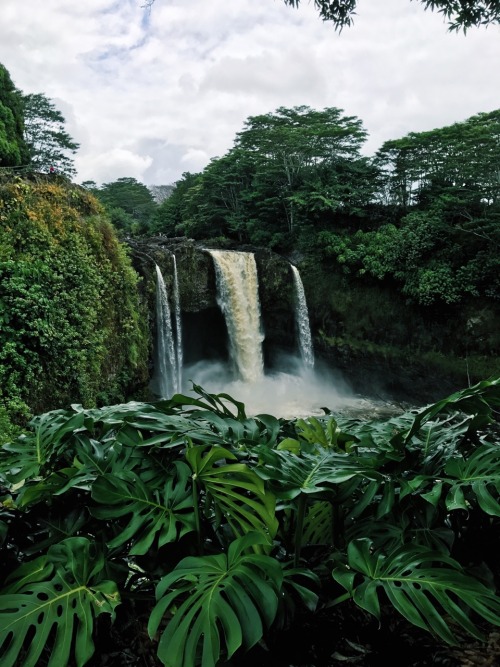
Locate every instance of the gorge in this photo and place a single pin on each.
(263, 355)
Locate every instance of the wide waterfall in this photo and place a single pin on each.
(302, 319)
(166, 378)
(178, 326)
(238, 298)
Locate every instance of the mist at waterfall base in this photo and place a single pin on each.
(296, 386)
(295, 391)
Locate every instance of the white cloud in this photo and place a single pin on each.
(118, 161)
(151, 95)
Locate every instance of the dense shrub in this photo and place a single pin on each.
(70, 322)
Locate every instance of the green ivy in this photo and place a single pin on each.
(71, 319)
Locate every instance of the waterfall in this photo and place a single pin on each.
(238, 298)
(178, 328)
(302, 319)
(166, 360)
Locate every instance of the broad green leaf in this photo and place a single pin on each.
(318, 524)
(237, 493)
(56, 525)
(290, 475)
(428, 588)
(23, 458)
(479, 401)
(164, 513)
(479, 475)
(237, 593)
(51, 603)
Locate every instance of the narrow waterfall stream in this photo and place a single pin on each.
(302, 320)
(166, 375)
(178, 327)
(238, 298)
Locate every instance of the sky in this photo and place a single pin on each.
(151, 94)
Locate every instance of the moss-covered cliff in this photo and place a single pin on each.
(204, 329)
(72, 327)
(384, 343)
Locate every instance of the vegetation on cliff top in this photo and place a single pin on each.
(71, 328)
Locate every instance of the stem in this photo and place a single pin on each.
(338, 527)
(197, 521)
(299, 528)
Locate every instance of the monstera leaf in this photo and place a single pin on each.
(236, 492)
(23, 458)
(428, 588)
(165, 513)
(49, 607)
(291, 475)
(237, 593)
(478, 401)
(480, 474)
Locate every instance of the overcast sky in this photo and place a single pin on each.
(154, 94)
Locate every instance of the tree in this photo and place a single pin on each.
(48, 142)
(290, 145)
(13, 150)
(130, 204)
(461, 14)
(459, 160)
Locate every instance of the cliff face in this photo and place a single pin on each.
(72, 329)
(204, 328)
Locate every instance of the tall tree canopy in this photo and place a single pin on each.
(461, 14)
(290, 168)
(130, 204)
(13, 151)
(48, 142)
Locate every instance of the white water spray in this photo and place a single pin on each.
(166, 362)
(238, 298)
(178, 327)
(302, 319)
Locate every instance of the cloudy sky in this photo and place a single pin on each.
(152, 94)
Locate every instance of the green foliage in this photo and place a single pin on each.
(238, 592)
(13, 150)
(49, 144)
(71, 326)
(129, 203)
(287, 169)
(460, 15)
(196, 511)
(63, 590)
(430, 597)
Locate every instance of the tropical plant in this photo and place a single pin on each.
(211, 527)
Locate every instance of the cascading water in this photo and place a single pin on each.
(238, 298)
(302, 319)
(178, 327)
(166, 374)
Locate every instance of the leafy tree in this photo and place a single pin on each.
(172, 217)
(130, 204)
(48, 142)
(290, 145)
(13, 150)
(460, 14)
(459, 160)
